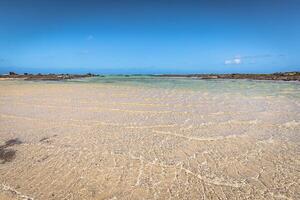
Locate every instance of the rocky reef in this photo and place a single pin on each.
(282, 76)
(46, 77)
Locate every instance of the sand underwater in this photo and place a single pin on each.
(146, 137)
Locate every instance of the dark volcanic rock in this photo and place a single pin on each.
(286, 76)
(8, 154)
(57, 77)
(46, 77)
(12, 142)
(12, 73)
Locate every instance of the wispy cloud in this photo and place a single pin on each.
(249, 58)
(257, 56)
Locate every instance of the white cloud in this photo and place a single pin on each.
(227, 62)
(237, 61)
(234, 61)
(250, 59)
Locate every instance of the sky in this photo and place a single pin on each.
(153, 36)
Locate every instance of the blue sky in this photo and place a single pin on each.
(136, 36)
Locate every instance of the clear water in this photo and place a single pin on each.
(216, 86)
(246, 87)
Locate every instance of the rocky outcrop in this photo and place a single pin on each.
(46, 77)
(285, 76)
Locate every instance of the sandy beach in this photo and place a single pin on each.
(82, 140)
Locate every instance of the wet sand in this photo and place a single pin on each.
(107, 141)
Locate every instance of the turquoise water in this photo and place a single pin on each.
(247, 87)
(244, 87)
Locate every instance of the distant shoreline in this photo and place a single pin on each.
(44, 77)
(281, 76)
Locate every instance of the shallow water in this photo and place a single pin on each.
(154, 138)
(246, 87)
